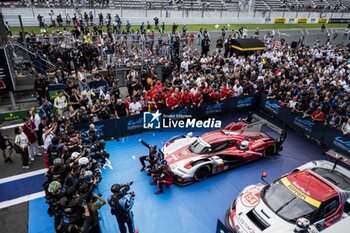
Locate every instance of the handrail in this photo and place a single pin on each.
(30, 52)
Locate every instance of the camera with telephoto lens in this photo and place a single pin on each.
(122, 189)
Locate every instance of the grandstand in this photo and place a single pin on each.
(222, 5)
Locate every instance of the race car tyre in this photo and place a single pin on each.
(269, 151)
(202, 173)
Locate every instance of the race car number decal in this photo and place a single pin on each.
(250, 199)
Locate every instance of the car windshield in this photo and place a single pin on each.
(199, 147)
(286, 204)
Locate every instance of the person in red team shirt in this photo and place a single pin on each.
(318, 115)
(172, 101)
(127, 101)
(157, 86)
(186, 98)
(214, 96)
(198, 99)
(223, 93)
(159, 99)
(29, 130)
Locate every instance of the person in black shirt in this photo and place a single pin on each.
(74, 99)
(41, 87)
(120, 109)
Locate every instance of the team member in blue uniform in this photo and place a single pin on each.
(121, 204)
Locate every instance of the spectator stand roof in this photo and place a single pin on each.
(250, 44)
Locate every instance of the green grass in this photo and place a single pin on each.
(209, 27)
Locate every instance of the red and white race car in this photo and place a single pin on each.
(196, 158)
(309, 199)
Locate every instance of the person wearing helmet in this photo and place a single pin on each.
(244, 145)
(152, 158)
(165, 177)
(121, 207)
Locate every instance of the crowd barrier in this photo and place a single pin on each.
(331, 137)
(115, 128)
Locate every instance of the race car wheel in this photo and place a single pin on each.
(270, 150)
(202, 173)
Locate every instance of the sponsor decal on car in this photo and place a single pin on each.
(341, 143)
(299, 193)
(304, 124)
(272, 107)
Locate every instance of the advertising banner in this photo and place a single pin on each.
(279, 20)
(302, 20)
(6, 82)
(339, 20)
(322, 20)
(13, 116)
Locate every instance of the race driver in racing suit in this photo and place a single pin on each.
(163, 177)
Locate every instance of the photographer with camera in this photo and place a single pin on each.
(121, 203)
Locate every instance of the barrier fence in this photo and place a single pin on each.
(328, 136)
(333, 138)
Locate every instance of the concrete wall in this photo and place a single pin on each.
(180, 17)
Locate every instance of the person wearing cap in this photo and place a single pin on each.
(165, 177)
(121, 206)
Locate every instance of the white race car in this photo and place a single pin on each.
(309, 199)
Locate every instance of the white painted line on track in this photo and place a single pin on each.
(19, 200)
(23, 175)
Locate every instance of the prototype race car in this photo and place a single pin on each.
(309, 199)
(196, 158)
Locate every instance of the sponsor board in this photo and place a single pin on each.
(272, 107)
(342, 143)
(135, 124)
(302, 20)
(245, 102)
(304, 124)
(279, 20)
(214, 108)
(322, 20)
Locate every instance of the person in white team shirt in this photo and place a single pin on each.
(35, 118)
(48, 135)
(60, 103)
(237, 89)
(135, 107)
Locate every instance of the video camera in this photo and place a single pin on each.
(122, 189)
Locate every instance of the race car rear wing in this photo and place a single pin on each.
(255, 129)
(282, 134)
(338, 156)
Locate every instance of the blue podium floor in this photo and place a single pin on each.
(194, 208)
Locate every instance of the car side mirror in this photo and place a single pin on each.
(263, 177)
(190, 134)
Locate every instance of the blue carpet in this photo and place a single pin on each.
(39, 221)
(194, 208)
(22, 187)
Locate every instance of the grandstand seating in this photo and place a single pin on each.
(230, 5)
(261, 5)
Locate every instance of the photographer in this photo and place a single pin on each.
(121, 203)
